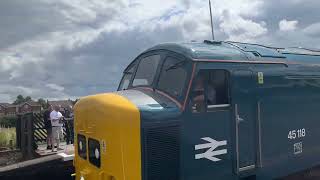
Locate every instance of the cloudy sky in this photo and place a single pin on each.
(59, 49)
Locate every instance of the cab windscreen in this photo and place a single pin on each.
(82, 146)
(94, 152)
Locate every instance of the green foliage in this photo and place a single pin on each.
(28, 98)
(43, 103)
(7, 135)
(8, 121)
(20, 99)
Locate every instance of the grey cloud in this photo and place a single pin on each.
(273, 11)
(93, 68)
(304, 11)
(24, 23)
(313, 30)
(24, 20)
(21, 20)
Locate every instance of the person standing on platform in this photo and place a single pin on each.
(69, 125)
(56, 122)
(47, 126)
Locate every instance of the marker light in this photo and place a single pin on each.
(82, 146)
(94, 152)
(97, 153)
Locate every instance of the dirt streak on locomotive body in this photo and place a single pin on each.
(202, 111)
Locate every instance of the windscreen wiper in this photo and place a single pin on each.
(176, 65)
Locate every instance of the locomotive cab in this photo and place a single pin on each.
(189, 111)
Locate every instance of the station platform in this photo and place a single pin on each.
(46, 165)
(67, 152)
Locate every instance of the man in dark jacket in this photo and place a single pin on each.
(48, 126)
(68, 124)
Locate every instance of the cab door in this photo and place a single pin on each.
(206, 151)
(244, 107)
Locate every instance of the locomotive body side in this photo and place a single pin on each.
(288, 116)
(262, 125)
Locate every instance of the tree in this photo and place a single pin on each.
(28, 98)
(43, 103)
(20, 99)
(8, 122)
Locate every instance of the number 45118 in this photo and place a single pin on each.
(294, 134)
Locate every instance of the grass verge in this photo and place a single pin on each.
(7, 137)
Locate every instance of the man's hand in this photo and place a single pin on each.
(54, 120)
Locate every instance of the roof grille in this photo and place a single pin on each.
(212, 42)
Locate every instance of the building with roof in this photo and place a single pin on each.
(29, 106)
(3, 107)
(7, 109)
(11, 110)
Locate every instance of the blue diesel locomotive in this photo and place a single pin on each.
(203, 111)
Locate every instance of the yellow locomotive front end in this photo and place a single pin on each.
(107, 145)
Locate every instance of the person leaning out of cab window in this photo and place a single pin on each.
(199, 97)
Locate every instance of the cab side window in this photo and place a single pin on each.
(146, 71)
(210, 91)
(219, 81)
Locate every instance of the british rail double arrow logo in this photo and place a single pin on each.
(211, 153)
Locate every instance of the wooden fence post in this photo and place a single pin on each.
(23, 137)
(27, 142)
(29, 136)
(18, 132)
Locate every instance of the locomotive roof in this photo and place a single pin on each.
(226, 50)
